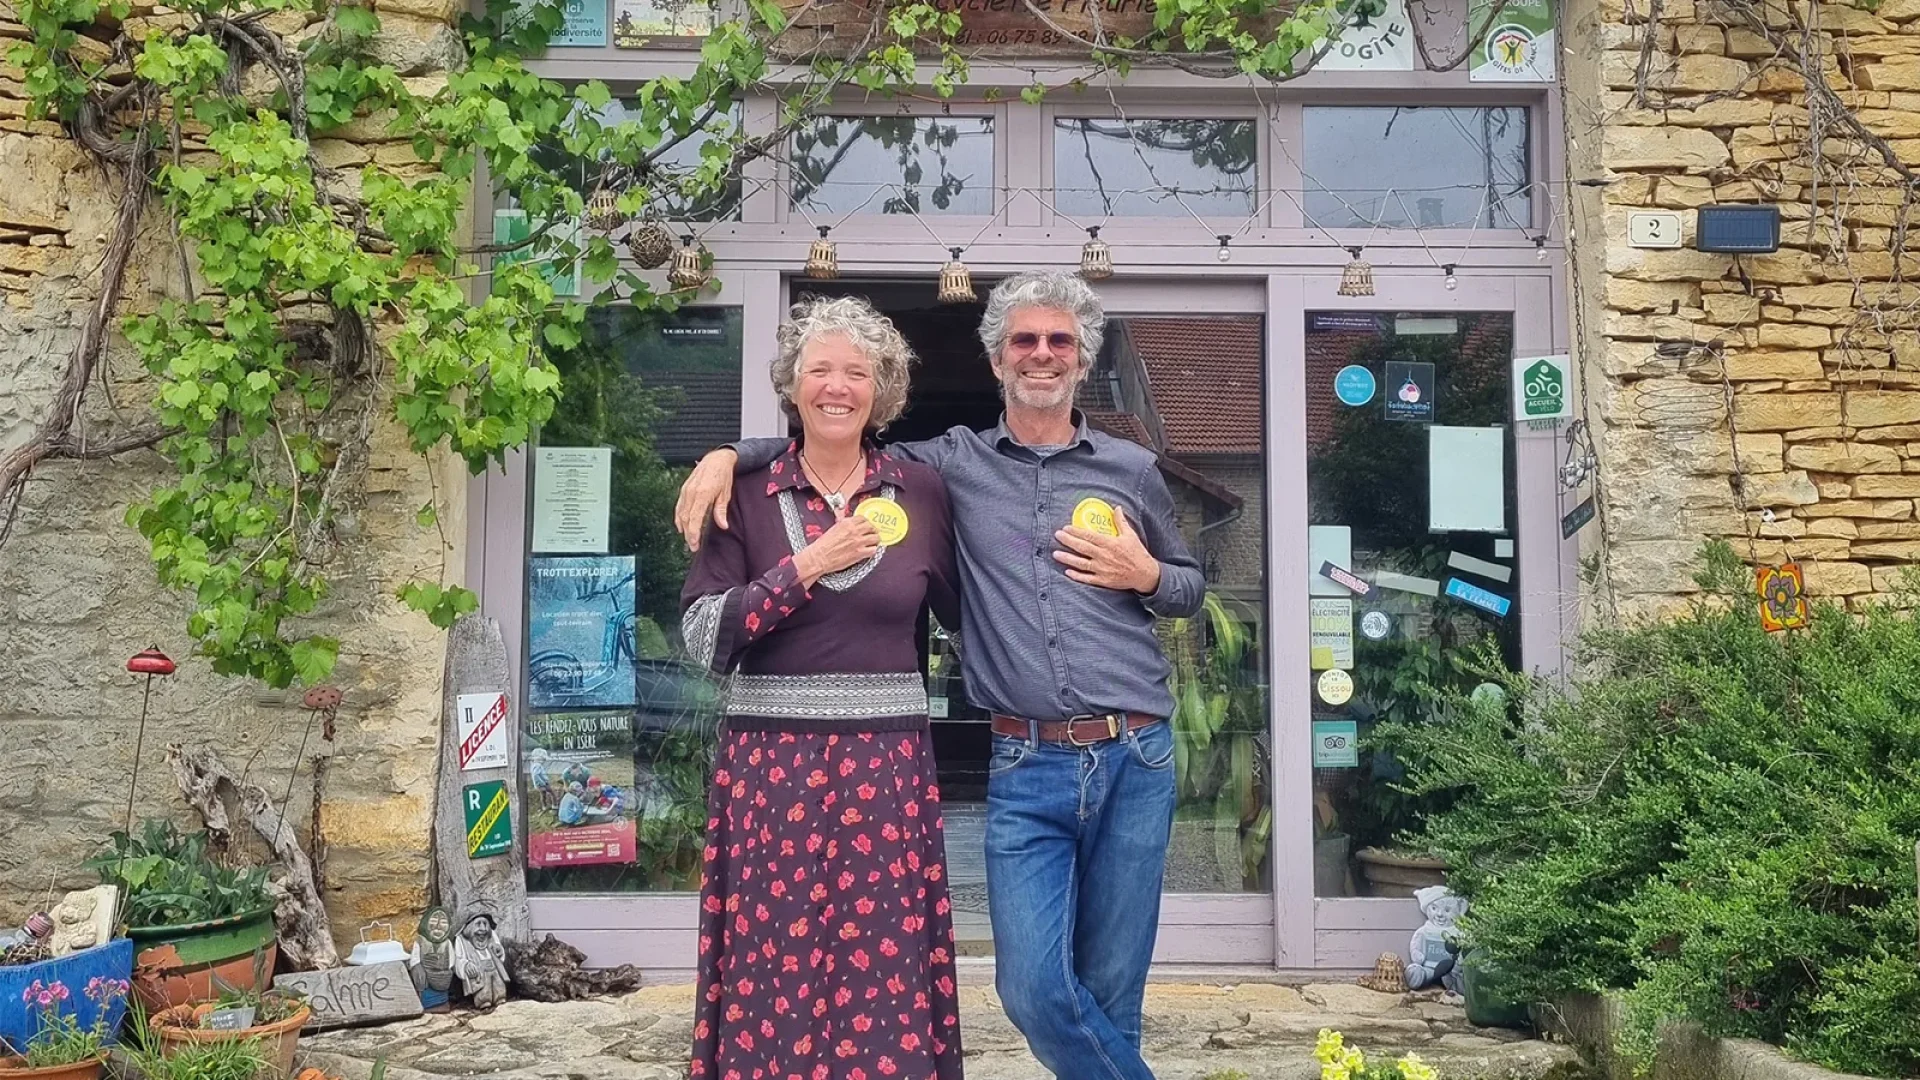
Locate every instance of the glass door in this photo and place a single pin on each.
(1411, 564)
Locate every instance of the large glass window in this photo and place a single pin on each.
(1192, 389)
(681, 174)
(1411, 561)
(1404, 167)
(619, 725)
(894, 165)
(1150, 168)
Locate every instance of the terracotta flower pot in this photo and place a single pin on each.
(180, 1026)
(177, 965)
(1390, 874)
(14, 1068)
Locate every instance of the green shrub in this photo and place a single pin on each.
(1718, 821)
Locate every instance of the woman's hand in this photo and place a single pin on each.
(851, 539)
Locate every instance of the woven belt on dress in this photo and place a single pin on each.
(1079, 731)
(838, 696)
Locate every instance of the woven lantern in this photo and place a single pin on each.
(603, 211)
(956, 281)
(1096, 258)
(689, 265)
(651, 245)
(1357, 278)
(823, 263)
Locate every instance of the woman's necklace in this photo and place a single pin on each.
(834, 499)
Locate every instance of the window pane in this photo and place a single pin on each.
(1406, 167)
(1374, 510)
(680, 194)
(1124, 168)
(1192, 389)
(894, 165)
(619, 730)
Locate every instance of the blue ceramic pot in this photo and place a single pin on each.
(20, 1023)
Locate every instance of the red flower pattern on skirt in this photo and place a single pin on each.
(826, 934)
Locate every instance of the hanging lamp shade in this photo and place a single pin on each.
(823, 262)
(651, 245)
(1096, 258)
(603, 211)
(956, 281)
(1357, 278)
(689, 265)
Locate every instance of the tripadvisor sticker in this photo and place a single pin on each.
(889, 519)
(1095, 515)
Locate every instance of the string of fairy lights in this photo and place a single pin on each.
(651, 245)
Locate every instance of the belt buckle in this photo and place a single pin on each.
(1113, 730)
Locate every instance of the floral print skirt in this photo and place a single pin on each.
(826, 935)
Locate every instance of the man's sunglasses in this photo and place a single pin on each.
(1027, 341)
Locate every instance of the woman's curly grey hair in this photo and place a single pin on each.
(1055, 289)
(871, 332)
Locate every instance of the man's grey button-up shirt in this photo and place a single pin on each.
(1037, 644)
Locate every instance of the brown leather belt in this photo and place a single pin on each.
(1079, 731)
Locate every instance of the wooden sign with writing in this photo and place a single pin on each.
(1006, 27)
(355, 995)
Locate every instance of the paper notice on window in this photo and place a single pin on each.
(1328, 544)
(1467, 479)
(572, 494)
(1330, 624)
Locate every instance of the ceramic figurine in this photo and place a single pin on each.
(432, 961)
(84, 919)
(480, 960)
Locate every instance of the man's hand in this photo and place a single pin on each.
(706, 491)
(1110, 562)
(851, 539)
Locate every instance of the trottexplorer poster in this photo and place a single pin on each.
(580, 644)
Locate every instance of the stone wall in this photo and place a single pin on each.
(78, 596)
(1760, 401)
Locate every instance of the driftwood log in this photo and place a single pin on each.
(476, 664)
(300, 919)
(552, 970)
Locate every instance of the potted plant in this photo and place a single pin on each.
(234, 1059)
(270, 1021)
(64, 1048)
(111, 961)
(1224, 819)
(196, 923)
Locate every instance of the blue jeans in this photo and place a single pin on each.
(1076, 849)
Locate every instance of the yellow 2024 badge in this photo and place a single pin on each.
(1095, 515)
(889, 519)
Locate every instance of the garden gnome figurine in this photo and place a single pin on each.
(432, 961)
(481, 961)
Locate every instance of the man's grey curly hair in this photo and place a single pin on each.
(1054, 289)
(871, 332)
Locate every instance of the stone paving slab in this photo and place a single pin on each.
(1192, 1031)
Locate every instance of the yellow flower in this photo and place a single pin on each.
(1355, 1061)
(1412, 1068)
(1328, 1046)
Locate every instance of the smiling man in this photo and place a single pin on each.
(1068, 552)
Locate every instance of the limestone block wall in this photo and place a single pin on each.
(78, 596)
(1773, 400)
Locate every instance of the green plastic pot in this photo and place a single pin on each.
(193, 962)
(1488, 1003)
